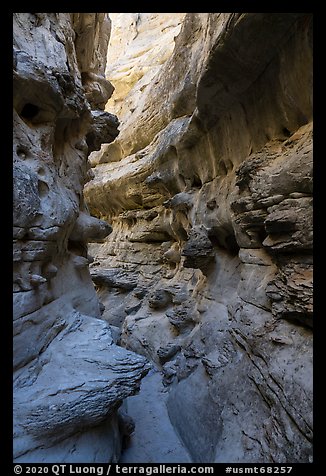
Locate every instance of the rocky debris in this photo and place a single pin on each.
(182, 317)
(291, 291)
(159, 299)
(181, 202)
(255, 256)
(69, 377)
(173, 254)
(278, 217)
(115, 278)
(213, 362)
(104, 129)
(89, 228)
(289, 225)
(166, 353)
(209, 190)
(198, 249)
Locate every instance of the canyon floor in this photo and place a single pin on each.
(154, 439)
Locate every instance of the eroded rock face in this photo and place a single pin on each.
(209, 190)
(70, 377)
(140, 44)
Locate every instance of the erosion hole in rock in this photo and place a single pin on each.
(262, 234)
(222, 168)
(286, 132)
(29, 111)
(43, 188)
(224, 240)
(78, 248)
(22, 152)
(232, 244)
(196, 182)
(41, 172)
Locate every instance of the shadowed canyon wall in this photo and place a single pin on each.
(208, 269)
(69, 376)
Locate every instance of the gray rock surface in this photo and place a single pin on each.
(70, 378)
(209, 190)
(153, 439)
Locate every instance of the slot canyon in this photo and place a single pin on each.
(162, 211)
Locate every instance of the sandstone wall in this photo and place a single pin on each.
(208, 269)
(69, 376)
(140, 44)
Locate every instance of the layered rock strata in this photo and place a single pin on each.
(208, 270)
(69, 376)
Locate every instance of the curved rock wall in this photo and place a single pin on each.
(70, 377)
(209, 269)
(140, 44)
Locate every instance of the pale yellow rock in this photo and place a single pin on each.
(140, 44)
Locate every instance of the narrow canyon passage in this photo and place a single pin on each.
(154, 439)
(163, 237)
